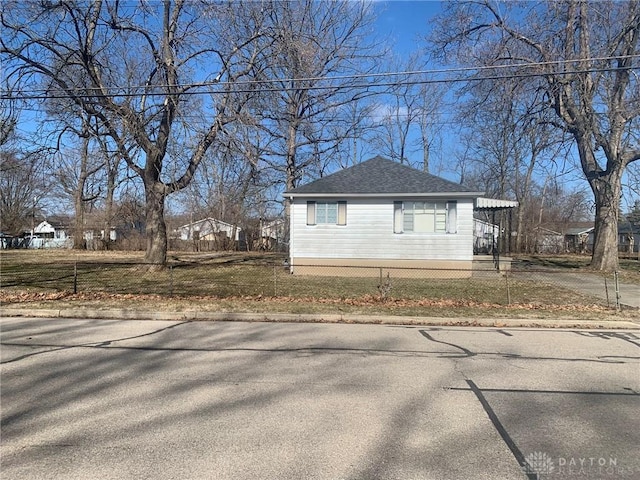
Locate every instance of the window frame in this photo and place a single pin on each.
(340, 212)
(448, 208)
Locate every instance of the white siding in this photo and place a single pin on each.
(369, 234)
(206, 228)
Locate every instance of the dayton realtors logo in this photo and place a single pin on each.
(538, 463)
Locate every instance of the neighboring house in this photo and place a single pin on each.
(628, 238)
(380, 213)
(51, 234)
(548, 241)
(578, 237)
(94, 238)
(272, 234)
(273, 229)
(6, 241)
(208, 229)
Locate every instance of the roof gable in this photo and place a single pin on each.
(381, 176)
(208, 222)
(578, 230)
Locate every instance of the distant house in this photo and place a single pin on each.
(6, 240)
(548, 241)
(628, 238)
(272, 234)
(578, 237)
(212, 230)
(273, 229)
(51, 234)
(380, 213)
(93, 237)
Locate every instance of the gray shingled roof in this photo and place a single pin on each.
(381, 176)
(578, 230)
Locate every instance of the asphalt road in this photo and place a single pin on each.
(105, 399)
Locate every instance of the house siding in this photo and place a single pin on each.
(369, 235)
(207, 229)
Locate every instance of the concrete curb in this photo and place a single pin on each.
(193, 315)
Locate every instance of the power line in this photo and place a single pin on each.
(188, 89)
(370, 75)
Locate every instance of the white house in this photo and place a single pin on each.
(208, 229)
(50, 235)
(273, 229)
(272, 234)
(380, 213)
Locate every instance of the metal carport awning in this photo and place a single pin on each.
(493, 205)
(483, 203)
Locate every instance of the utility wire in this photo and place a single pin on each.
(188, 89)
(379, 75)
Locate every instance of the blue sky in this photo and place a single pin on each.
(406, 22)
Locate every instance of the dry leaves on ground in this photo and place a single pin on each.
(18, 297)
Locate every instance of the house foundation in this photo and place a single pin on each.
(375, 267)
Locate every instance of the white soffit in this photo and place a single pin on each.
(482, 202)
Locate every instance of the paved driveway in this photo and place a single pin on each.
(85, 399)
(593, 284)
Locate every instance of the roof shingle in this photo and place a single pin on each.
(381, 176)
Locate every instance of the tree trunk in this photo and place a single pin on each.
(78, 226)
(607, 190)
(108, 214)
(78, 196)
(520, 229)
(425, 153)
(156, 228)
(293, 175)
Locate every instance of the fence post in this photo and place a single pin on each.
(615, 278)
(606, 289)
(275, 280)
(506, 277)
(75, 276)
(171, 280)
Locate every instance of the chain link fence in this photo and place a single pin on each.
(273, 279)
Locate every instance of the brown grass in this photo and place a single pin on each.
(240, 282)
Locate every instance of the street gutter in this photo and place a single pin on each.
(194, 315)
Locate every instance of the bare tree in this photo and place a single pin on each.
(397, 115)
(113, 173)
(359, 126)
(8, 121)
(315, 50)
(228, 183)
(141, 62)
(90, 173)
(583, 56)
(410, 106)
(512, 138)
(75, 169)
(23, 177)
(430, 102)
(22, 188)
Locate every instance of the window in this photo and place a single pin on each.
(326, 213)
(425, 217)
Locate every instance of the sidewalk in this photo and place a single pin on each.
(129, 314)
(592, 284)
